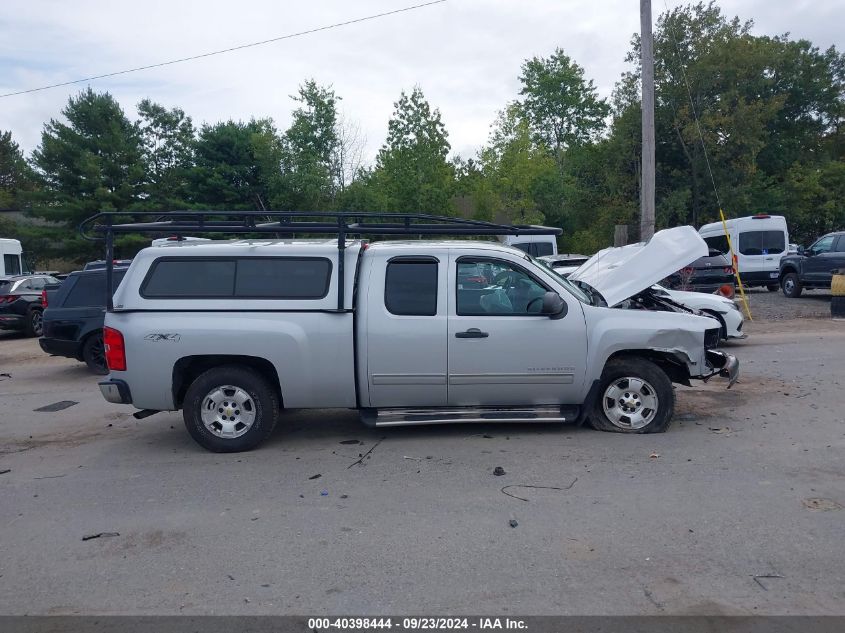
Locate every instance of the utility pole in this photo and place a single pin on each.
(647, 65)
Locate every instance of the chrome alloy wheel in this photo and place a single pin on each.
(630, 403)
(788, 285)
(228, 411)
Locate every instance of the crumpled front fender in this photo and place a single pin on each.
(725, 365)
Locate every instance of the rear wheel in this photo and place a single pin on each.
(791, 285)
(230, 409)
(94, 354)
(635, 396)
(34, 322)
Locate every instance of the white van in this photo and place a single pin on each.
(759, 241)
(534, 245)
(11, 262)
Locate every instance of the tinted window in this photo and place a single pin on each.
(505, 289)
(718, 242)
(523, 246)
(90, 290)
(542, 248)
(12, 263)
(840, 245)
(823, 245)
(5, 287)
(247, 277)
(288, 278)
(410, 287)
(762, 242)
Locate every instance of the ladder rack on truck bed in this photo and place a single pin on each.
(342, 224)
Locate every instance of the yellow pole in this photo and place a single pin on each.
(735, 267)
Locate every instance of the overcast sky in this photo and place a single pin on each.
(465, 54)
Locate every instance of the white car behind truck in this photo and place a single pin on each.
(406, 332)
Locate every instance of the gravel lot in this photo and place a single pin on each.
(736, 510)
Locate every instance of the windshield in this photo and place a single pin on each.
(574, 290)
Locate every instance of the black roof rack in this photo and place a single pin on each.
(343, 224)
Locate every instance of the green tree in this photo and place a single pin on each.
(16, 177)
(232, 170)
(309, 149)
(517, 169)
(91, 163)
(411, 167)
(561, 107)
(168, 154)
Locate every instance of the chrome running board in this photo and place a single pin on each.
(416, 416)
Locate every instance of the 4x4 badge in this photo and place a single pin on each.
(161, 336)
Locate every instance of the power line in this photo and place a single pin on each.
(226, 50)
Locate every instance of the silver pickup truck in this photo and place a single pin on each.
(407, 332)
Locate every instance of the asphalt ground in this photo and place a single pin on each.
(736, 510)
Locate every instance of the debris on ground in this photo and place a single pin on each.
(324, 493)
(762, 586)
(361, 458)
(505, 488)
(4, 376)
(351, 442)
(722, 430)
(89, 537)
(821, 505)
(513, 523)
(344, 496)
(317, 476)
(5, 470)
(654, 456)
(498, 471)
(61, 405)
(418, 459)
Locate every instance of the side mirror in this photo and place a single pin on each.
(801, 250)
(553, 306)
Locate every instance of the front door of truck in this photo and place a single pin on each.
(406, 332)
(819, 263)
(501, 350)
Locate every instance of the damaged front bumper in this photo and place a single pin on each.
(724, 365)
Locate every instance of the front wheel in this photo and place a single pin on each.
(635, 396)
(791, 285)
(230, 409)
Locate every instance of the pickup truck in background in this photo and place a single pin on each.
(812, 267)
(406, 332)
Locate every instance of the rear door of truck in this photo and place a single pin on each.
(405, 320)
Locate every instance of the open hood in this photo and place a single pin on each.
(619, 273)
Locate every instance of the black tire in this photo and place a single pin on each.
(34, 322)
(658, 383)
(263, 405)
(94, 354)
(773, 287)
(723, 329)
(791, 285)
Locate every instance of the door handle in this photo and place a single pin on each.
(473, 332)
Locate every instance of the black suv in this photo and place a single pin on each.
(73, 320)
(20, 302)
(711, 273)
(812, 267)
